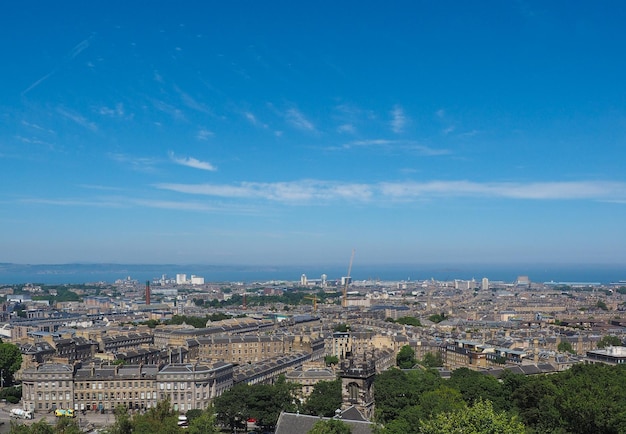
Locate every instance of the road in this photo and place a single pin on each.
(87, 422)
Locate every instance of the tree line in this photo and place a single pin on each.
(585, 399)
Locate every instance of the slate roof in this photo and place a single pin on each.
(293, 423)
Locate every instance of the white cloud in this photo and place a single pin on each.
(312, 191)
(77, 118)
(298, 120)
(79, 48)
(204, 134)
(297, 191)
(192, 162)
(511, 190)
(117, 111)
(346, 128)
(404, 145)
(250, 117)
(191, 102)
(142, 164)
(398, 119)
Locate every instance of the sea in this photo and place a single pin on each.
(89, 273)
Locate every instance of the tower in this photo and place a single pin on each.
(357, 385)
(147, 292)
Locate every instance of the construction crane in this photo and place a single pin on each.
(344, 301)
(314, 298)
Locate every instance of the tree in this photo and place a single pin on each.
(159, 419)
(437, 318)
(193, 414)
(324, 399)
(609, 341)
(331, 360)
(231, 407)
(66, 425)
(202, 424)
(266, 401)
(409, 320)
(478, 419)
(39, 427)
(406, 357)
(10, 361)
(123, 424)
(331, 426)
(342, 328)
(432, 360)
(475, 386)
(392, 393)
(565, 347)
(442, 400)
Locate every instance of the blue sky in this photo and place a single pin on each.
(291, 132)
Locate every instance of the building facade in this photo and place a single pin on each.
(102, 388)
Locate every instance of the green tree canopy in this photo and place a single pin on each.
(609, 341)
(160, 419)
(331, 426)
(10, 361)
(406, 357)
(565, 347)
(409, 320)
(432, 360)
(204, 423)
(324, 399)
(331, 360)
(478, 419)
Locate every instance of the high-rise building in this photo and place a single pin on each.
(484, 284)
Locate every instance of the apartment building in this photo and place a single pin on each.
(104, 387)
(240, 349)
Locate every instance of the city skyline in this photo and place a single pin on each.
(248, 133)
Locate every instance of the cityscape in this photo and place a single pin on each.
(188, 341)
(325, 217)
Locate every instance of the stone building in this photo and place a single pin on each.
(357, 386)
(104, 387)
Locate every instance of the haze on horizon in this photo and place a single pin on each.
(290, 133)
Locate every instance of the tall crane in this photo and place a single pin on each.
(344, 301)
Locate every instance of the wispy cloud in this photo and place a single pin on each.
(34, 141)
(398, 119)
(250, 117)
(534, 190)
(141, 164)
(38, 82)
(121, 202)
(403, 145)
(346, 128)
(79, 48)
(99, 187)
(316, 191)
(169, 109)
(75, 51)
(298, 191)
(298, 120)
(77, 118)
(192, 162)
(191, 102)
(38, 127)
(117, 111)
(204, 134)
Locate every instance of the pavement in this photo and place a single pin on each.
(88, 422)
